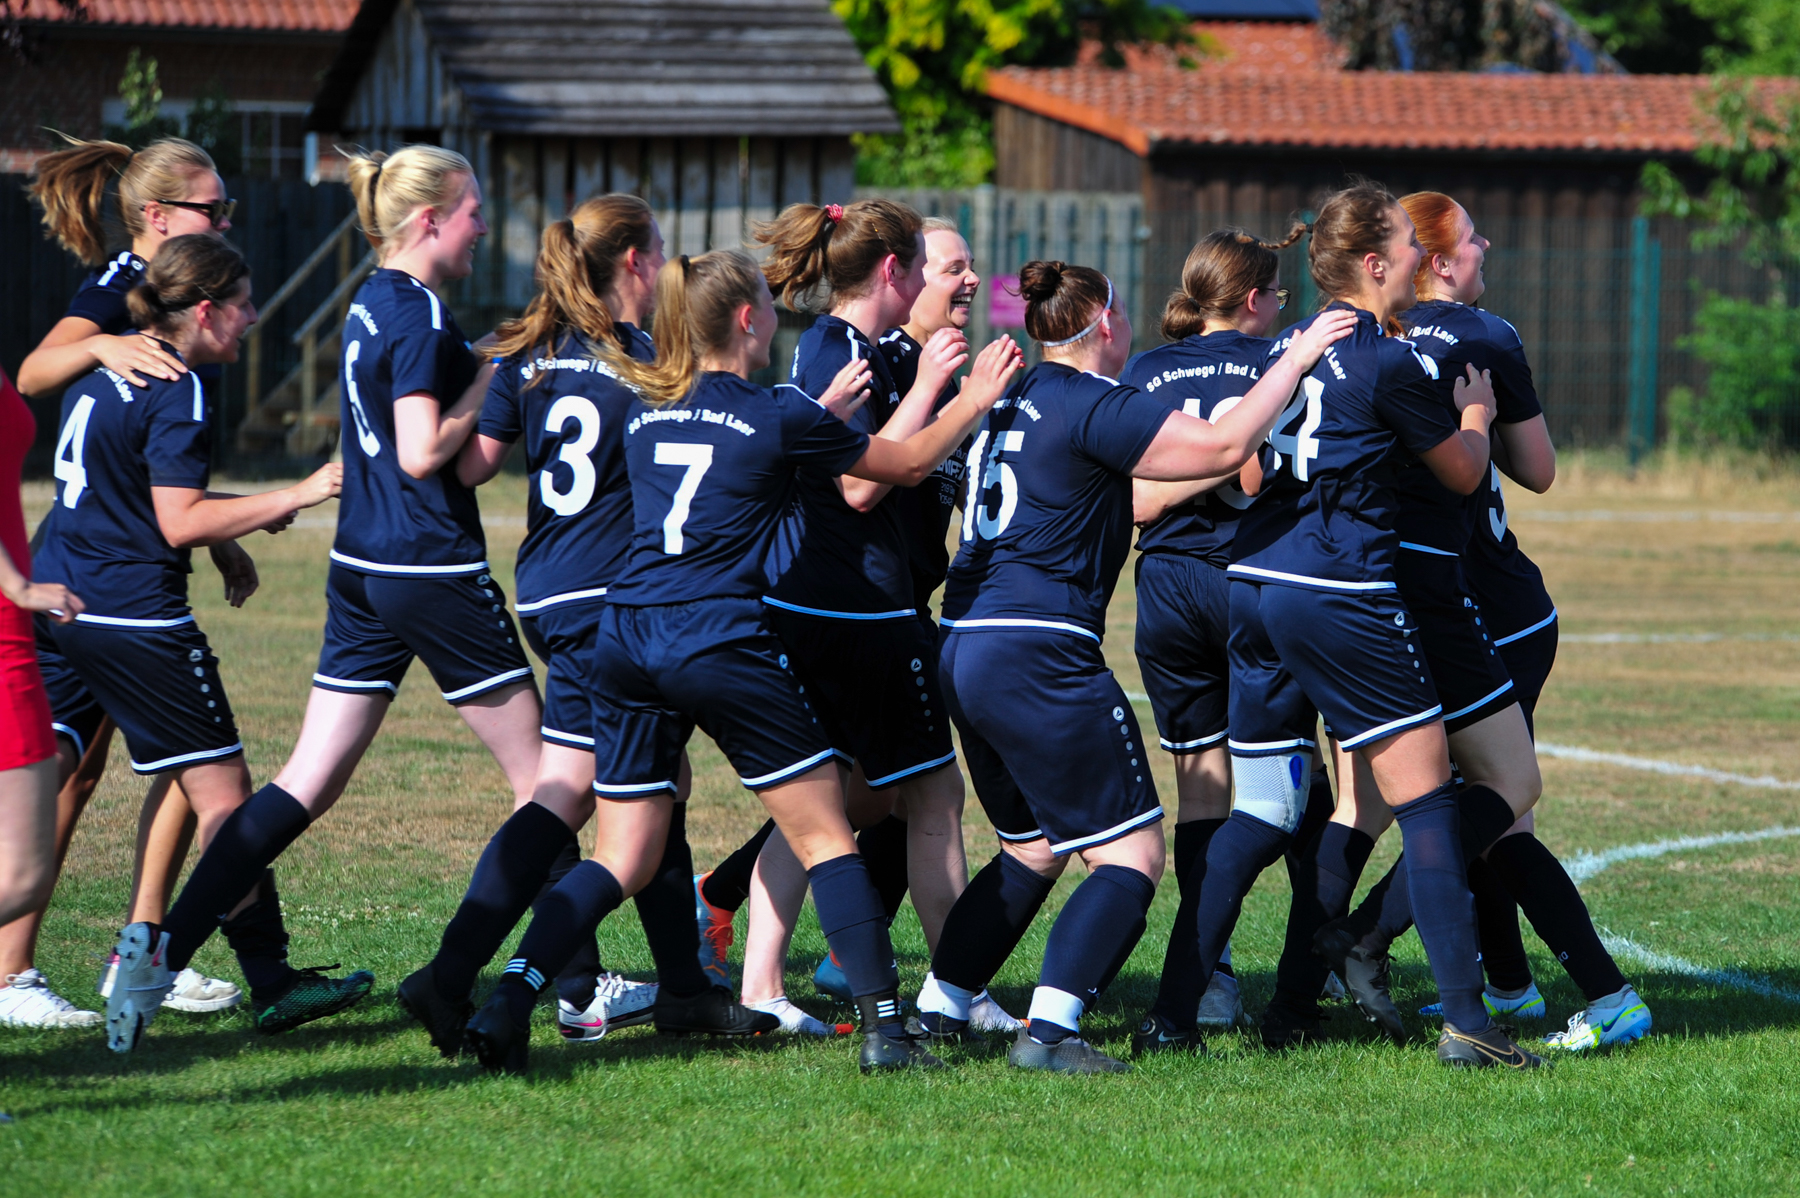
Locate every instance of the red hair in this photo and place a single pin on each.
(1434, 217)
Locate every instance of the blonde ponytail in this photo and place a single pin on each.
(392, 189)
(696, 302)
(70, 185)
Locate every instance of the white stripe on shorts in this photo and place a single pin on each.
(799, 767)
(1255, 573)
(910, 770)
(1053, 625)
(156, 767)
(1525, 632)
(1494, 694)
(380, 568)
(1391, 727)
(566, 738)
(1174, 745)
(392, 688)
(525, 609)
(615, 790)
(487, 684)
(1416, 548)
(1112, 833)
(902, 613)
(1270, 746)
(65, 730)
(122, 622)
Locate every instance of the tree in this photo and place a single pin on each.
(143, 95)
(212, 125)
(1755, 37)
(1460, 35)
(933, 57)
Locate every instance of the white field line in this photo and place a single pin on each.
(1652, 765)
(1730, 979)
(1669, 638)
(1584, 865)
(1615, 516)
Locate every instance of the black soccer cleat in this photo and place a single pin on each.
(712, 1012)
(501, 1045)
(1073, 1055)
(1284, 1027)
(940, 1028)
(443, 1020)
(1485, 1050)
(884, 1054)
(1156, 1034)
(1365, 973)
(311, 995)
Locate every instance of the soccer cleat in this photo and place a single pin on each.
(194, 993)
(712, 1012)
(942, 1028)
(1617, 1019)
(1529, 1005)
(1284, 1027)
(986, 1015)
(1484, 1050)
(830, 982)
(1157, 1034)
(1073, 1055)
(618, 1002)
(501, 1045)
(715, 934)
(1334, 989)
(28, 1001)
(797, 1022)
(142, 983)
(1222, 1006)
(311, 995)
(884, 1054)
(1365, 975)
(443, 1020)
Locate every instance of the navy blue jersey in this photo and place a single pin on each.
(400, 339)
(710, 479)
(101, 538)
(1455, 335)
(1204, 376)
(830, 559)
(1047, 521)
(927, 509)
(101, 296)
(1325, 516)
(570, 408)
(1508, 585)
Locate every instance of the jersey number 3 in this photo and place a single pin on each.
(573, 454)
(698, 460)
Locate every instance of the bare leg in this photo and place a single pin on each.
(76, 779)
(27, 839)
(165, 833)
(507, 721)
(336, 733)
(777, 892)
(936, 868)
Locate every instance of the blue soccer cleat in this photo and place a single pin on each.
(1616, 1019)
(1529, 1005)
(829, 980)
(715, 935)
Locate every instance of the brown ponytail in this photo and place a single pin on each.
(1352, 223)
(186, 270)
(1222, 269)
(578, 258)
(838, 248)
(696, 300)
(70, 185)
(1061, 300)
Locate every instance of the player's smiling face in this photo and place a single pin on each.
(459, 227)
(1460, 277)
(219, 327)
(950, 284)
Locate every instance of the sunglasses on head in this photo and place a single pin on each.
(217, 211)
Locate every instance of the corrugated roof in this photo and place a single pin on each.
(328, 16)
(638, 67)
(1246, 101)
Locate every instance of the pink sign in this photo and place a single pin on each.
(1006, 308)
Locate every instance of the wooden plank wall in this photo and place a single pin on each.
(1034, 153)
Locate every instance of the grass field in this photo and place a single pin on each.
(1641, 570)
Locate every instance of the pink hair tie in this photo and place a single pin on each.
(835, 212)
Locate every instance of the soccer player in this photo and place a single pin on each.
(557, 388)
(1446, 547)
(685, 641)
(1217, 326)
(132, 467)
(167, 189)
(1057, 756)
(409, 575)
(1317, 625)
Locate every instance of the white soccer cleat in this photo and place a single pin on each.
(618, 1002)
(28, 1001)
(1616, 1019)
(1334, 989)
(1222, 1006)
(986, 1015)
(193, 993)
(796, 1022)
(142, 982)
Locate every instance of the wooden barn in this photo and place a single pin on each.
(1547, 164)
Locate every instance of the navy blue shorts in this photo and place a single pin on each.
(1298, 654)
(1183, 621)
(712, 663)
(75, 714)
(459, 627)
(1050, 740)
(563, 636)
(1528, 655)
(1471, 677)
(161, 687)
(874, 685)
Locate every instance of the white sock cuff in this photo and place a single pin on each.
(1057, 1006)
(944, 999)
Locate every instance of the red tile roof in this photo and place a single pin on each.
(1281, 85)
(333, 16)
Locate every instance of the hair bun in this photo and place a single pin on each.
(1039, 281)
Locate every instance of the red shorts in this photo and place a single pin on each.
(25, 736)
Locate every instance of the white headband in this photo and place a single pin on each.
(1090, 328)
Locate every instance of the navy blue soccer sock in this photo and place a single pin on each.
(564, 917)
(246, 844)
(1093, 934)
(855, 927)
(1180, 987)
(1547, 895)
(1326, 875)
(987, 922)
(1239, 853)
(575, 983)
(1431, 833)
(259, 939)
(511, 870)
(1497, 925)
(727, 887)
(883, 849)
(1483, 817)
(666, 909)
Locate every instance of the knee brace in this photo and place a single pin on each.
(1273, 789)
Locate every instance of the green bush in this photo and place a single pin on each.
(1752, 394)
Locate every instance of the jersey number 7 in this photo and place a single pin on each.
(698, 460)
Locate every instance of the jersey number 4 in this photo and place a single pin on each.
(698, 460)
(574, 455)
(1302, 444)
(67, 466)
